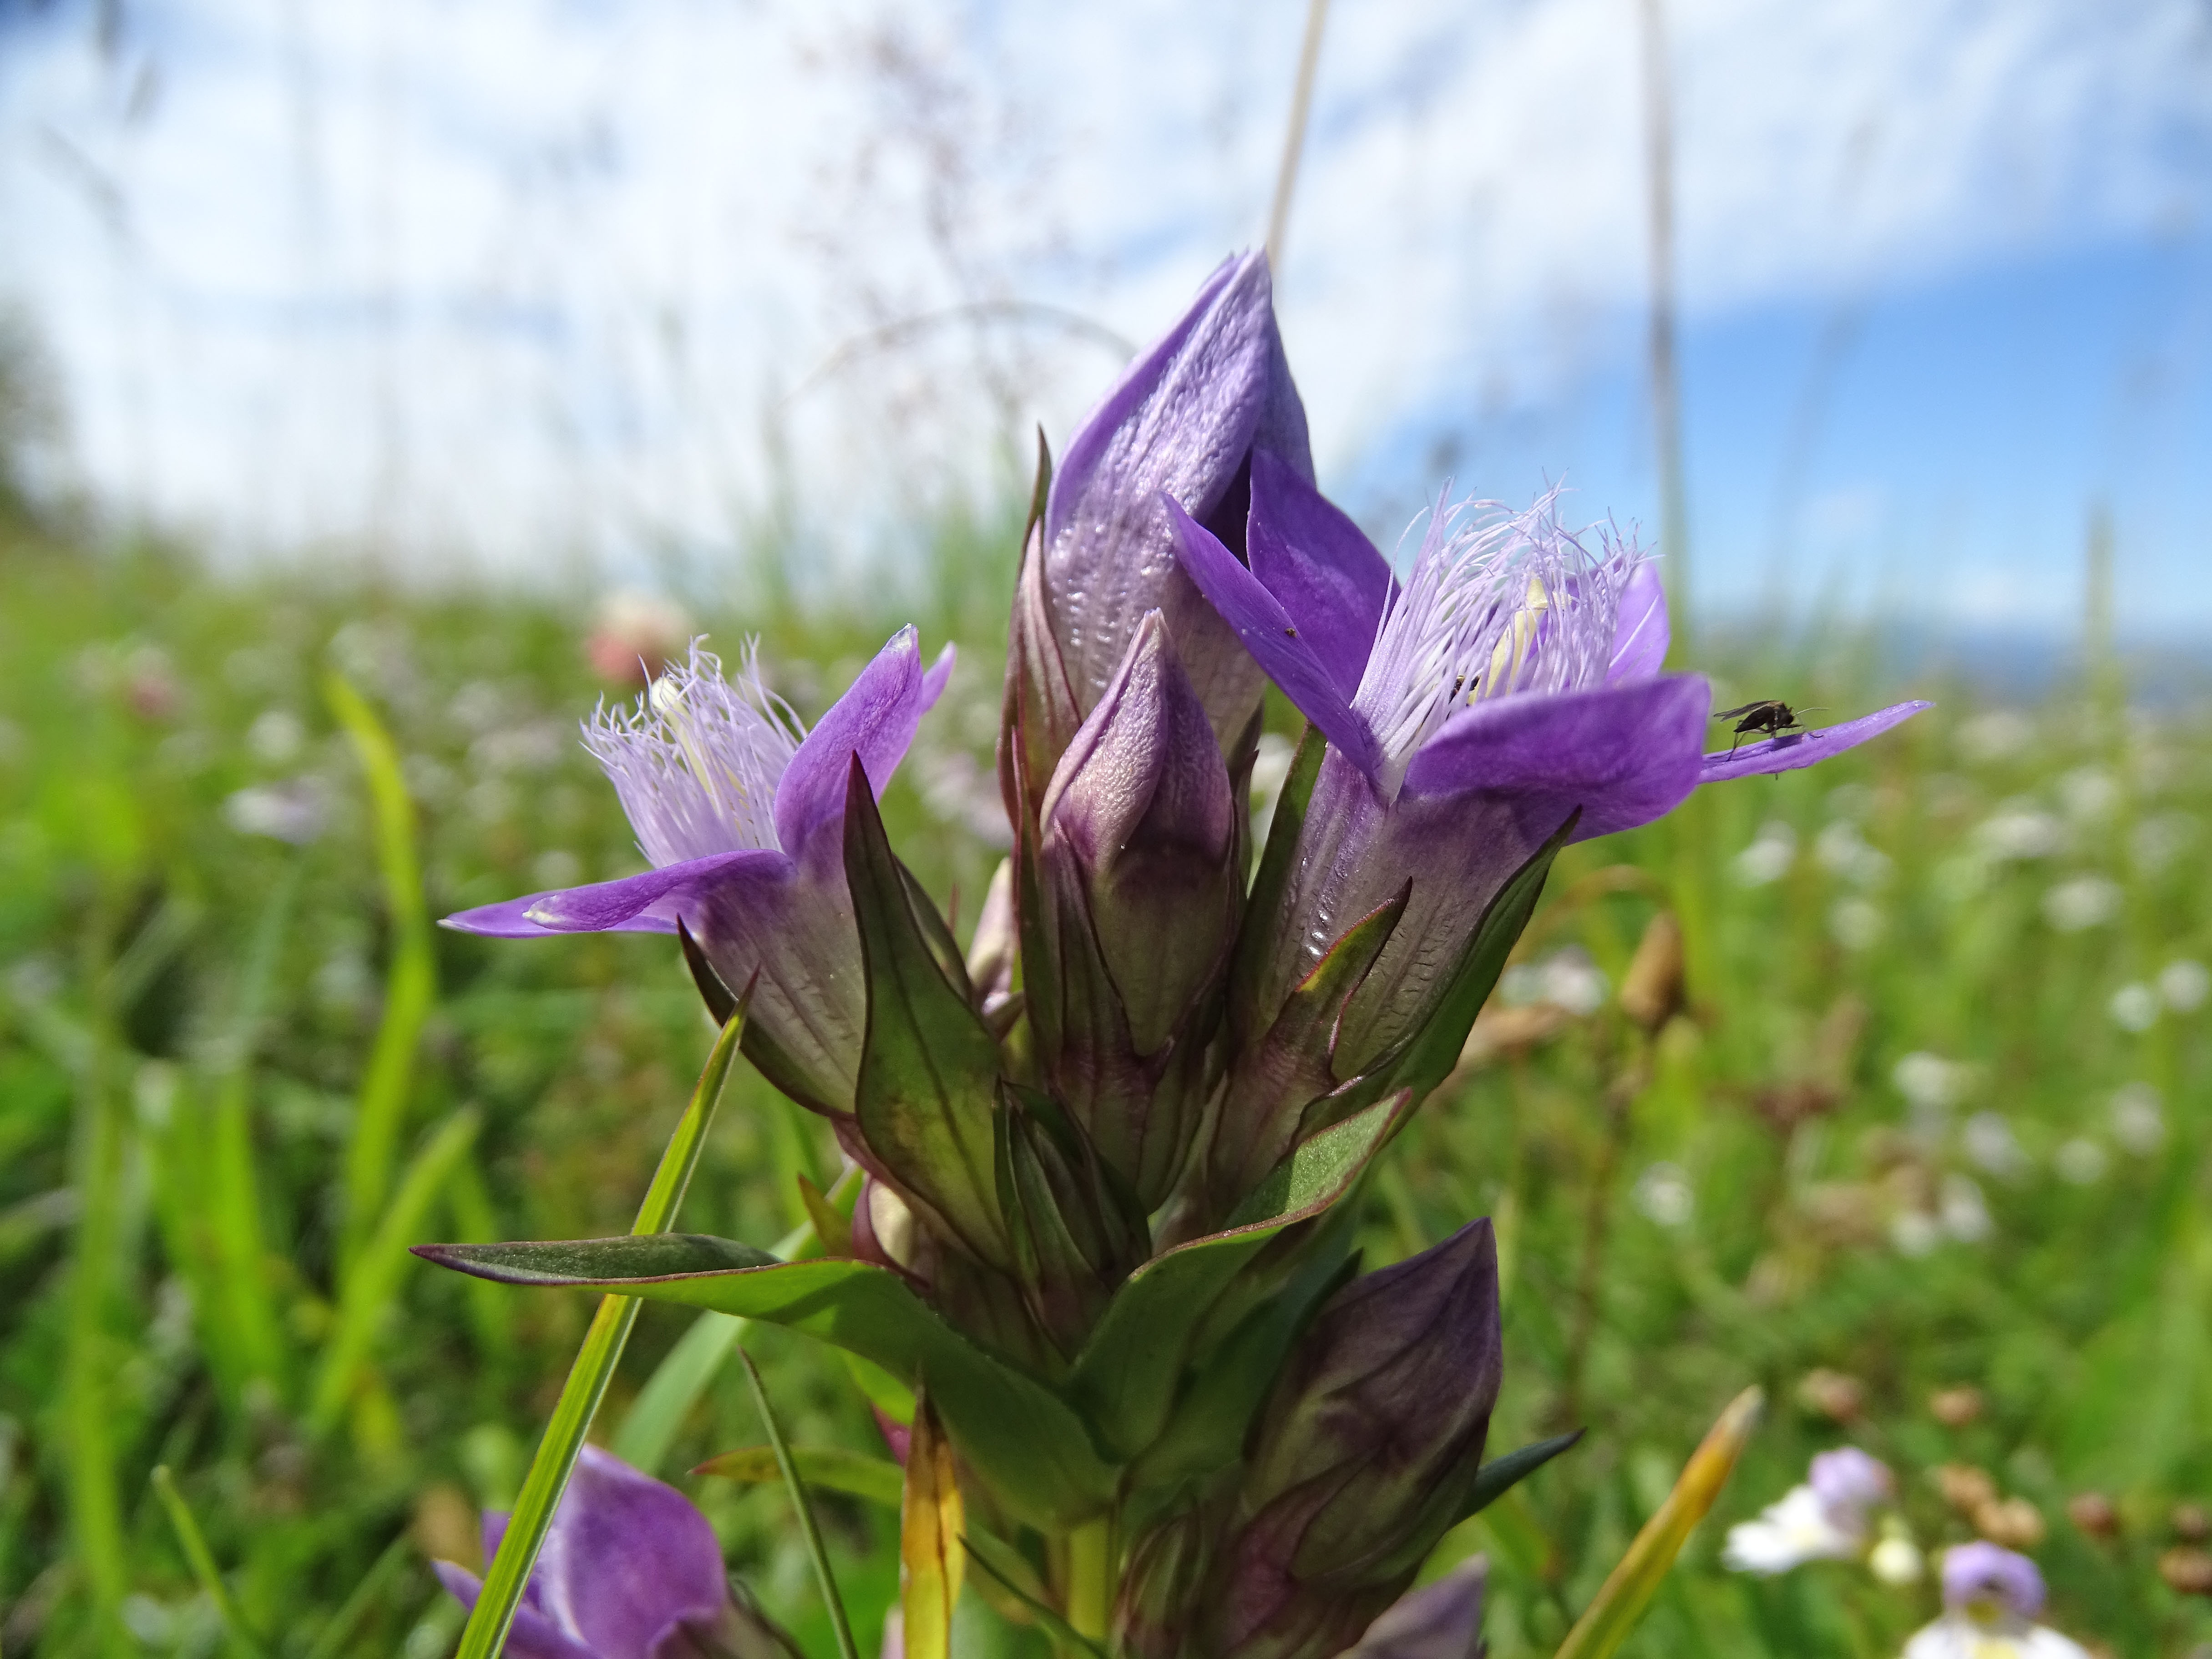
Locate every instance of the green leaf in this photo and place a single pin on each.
(594, 1368)
(1126, 1374)
(1002, 1562)
(411, 983)
(1628, 1589)
(927, 1089)
(1501, 1475)
(804, 1505)
(832, 1468)
(1430, 1057)
(1018, 1433)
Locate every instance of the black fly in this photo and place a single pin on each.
(1771, 716)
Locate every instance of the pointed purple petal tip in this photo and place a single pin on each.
(1799, 748)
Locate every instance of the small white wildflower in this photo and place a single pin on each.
(2083, 903)
(295, 811)
(276, 737)
(1664, 1195)
(1998, 735)
(1965, 1213)
(1915, 1232)
(1992, 1145)
(1574, 982)
(2138, 1119)
(1931, 1083)
(1897, 1560)
(2018, 831)
(1844, 852)
(1826, 1519)
(1768, 858)
(2081, 1161)
(2135, 1008)
(2089, 794)
(1857, 924)
(2159, 840)
(2184, 985)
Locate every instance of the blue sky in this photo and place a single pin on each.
(523, 288)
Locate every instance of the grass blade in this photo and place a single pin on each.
(412, 980)
(363, 1596)
(508, 1573)
(375, 1275)
(805, 1507)
(1629, 1587)
(833, 1468)
(1004, 1566)
(201, 1559)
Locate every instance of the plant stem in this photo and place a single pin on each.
(1089, 1591)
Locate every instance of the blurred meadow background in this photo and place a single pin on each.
(377, 382)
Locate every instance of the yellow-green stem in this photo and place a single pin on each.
(1089, 1591)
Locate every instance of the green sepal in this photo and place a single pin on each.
(1021, 1437)
(929, 1067)
(1278, 861)
(1126, 1376)
(1501, 1475)
(1429, 1058)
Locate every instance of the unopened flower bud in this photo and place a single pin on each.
(1896, 1560)
(2192, 1523)
(1651, 994)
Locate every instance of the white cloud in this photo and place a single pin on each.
(532, 279)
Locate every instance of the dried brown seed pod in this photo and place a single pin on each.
(2187, 1570)
(1651, 991)
(1955, 1408)
(1835, 1395)
(2192, 1522)
(2093, 1513)
(1965, 1487)
(2012, 1521)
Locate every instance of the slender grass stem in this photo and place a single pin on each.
(201, 1559)
(594, 1369)
(807, 1525)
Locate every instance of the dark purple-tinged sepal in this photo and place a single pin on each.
(1183, 422)
(1442, 1620)
(1363, 1457)
(924, 1101)
(1138, 885)
(1162, 1582)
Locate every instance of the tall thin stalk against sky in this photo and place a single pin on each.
(1294, 138)
(1666, 382)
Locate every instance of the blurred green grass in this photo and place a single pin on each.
(191, 1219)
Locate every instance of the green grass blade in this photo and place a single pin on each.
(201, 1559)
(412, 980)
(374, 1279)
(800, 1501)
(1628, 1589)
(833, 1468)
(508, 1573)
(363, 1596)
(96, 1270)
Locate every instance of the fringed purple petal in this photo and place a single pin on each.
(533, 1634)
(875, 720)
(1788, 753)
(627, 1558)
(1625, 754)
(1442, 1620)
(1321, 568)
(649, 903)
(1272, 638)
(1640, 639)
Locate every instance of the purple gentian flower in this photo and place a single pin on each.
(1183, 422)
(1990, 1598)
(629, 1571)
(741, 813)
(1442, 1620)
(1512, 680)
